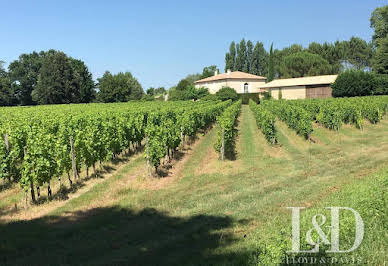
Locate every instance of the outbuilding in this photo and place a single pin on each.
(301, 88)
(241, 82)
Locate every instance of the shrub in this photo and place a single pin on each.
(355, 83)
(190, 93)
(267, 95)
(176, 95)
(247, 96)
(210, 97)
(202, 92)
(148, 97)
(227, 93)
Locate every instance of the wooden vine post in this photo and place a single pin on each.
(6, 142)
(31, 181)
(73, 162)
(182, 138)
(223, 144)
(148, 156)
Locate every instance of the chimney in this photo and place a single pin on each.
(228, 71)
(216, 73)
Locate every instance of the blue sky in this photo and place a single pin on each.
(160, 42)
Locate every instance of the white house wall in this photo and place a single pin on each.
(238, 85)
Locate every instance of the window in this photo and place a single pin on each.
(246, 88)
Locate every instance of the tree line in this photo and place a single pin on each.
(297, 61)
(317, 58)
(52, 77)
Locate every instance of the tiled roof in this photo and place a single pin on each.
(231, 75)
(327, 79)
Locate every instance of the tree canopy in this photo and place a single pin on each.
(259, 60)
(241, 59)
(380, 63)
(304, 64)
(271, 67)
(56, 81)
(247, 58)
(52, 77)
(83, 81)
(230, 57)
(6, 94)
(23, 74)
(49, 77)
(121, 87)
(379, 22)
(209, 71)
(3, 73)
(355, 53)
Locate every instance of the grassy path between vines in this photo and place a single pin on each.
(208, 212)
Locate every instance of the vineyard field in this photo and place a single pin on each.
(177, 183)
(45, 142)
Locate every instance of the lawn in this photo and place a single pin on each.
(211, 212)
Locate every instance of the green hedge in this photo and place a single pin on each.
(360, 83)
(249, 96)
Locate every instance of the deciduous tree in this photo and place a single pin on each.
(150, 91)
(121, 87)
(56, 82)
(23, 74)
(83, 81)
(6, 93)
(379, 22)
(209, 71)
(160, 90)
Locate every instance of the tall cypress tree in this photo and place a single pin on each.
(271, 72)
(241, 57)
(230, 57)
(259, 62)
(248, 62)
(227, 62)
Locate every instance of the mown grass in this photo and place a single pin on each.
(232, 213)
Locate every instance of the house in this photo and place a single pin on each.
(301, 88)
(240, 81)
